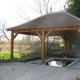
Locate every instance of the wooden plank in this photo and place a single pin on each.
(48, 29)
(65, 34)
(31, 30)
(26, 30)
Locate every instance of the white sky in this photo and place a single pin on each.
(8, 10)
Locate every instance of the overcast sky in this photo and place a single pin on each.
(8, 10)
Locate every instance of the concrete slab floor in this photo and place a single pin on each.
(28, 71)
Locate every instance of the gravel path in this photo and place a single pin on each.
(28, 71)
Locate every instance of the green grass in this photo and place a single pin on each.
(6, 55)
(26, 53)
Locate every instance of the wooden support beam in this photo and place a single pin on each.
(43, 48)
(65, 48)
(15, 35)
(78, 30)
(43, 37)
(55, 28)
(12, 42)
(47, 34)
(65, 38)
(39, 34)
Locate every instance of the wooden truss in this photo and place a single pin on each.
(43, 33)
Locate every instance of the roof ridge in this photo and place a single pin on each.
(73, 16)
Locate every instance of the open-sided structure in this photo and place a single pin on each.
(54, 24)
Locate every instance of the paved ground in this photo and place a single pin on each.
(28, 71)
(76, 65)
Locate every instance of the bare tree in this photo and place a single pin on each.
(41, 7)
(3, 30)
(44, 6)
(22, 13)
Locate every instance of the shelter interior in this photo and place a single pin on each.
(39, 28)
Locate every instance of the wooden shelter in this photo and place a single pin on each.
(54, 24)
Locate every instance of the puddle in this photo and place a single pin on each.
(59, 63)
(56, 62)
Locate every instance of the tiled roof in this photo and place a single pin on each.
(58, 19)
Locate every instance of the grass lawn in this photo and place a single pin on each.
(6, 55)
(23, 54)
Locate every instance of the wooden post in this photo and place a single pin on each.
(12, 43)
(43, 37)
(43, 48)
(12, 40)
(65, 47)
